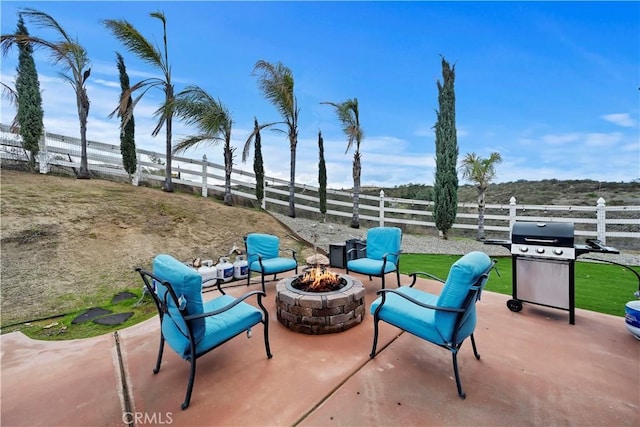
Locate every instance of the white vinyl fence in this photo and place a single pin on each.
(619, 225)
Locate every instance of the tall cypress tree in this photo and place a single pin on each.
(445, 187)
(258, 165)
(127, 133)
(322, 178)
(30, 114)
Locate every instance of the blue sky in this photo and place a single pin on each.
(552, 86)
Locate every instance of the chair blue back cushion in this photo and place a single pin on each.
(432, 325)
(463, 274)
(265, 245)
(383, 240)
(187, 284)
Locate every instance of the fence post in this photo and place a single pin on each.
(512, 212)
(381, 208)
(205, 190)
(43, 155)
(601, 215)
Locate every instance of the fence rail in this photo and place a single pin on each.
(59, 152)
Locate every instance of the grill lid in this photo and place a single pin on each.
(543, 233)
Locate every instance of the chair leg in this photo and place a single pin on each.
(192, 377)
(457, 374)
(248, 277)
(263, 287)
(266, 338)
(382, 280)
(160, 351)
(265, 323)
(375, 338)
(398, 277)
(475, 350)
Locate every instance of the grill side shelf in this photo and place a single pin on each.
(504, 243)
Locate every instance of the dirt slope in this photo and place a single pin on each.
(66, 243)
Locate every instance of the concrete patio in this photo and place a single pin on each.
(535, 369)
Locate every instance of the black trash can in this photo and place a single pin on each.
(337, 255)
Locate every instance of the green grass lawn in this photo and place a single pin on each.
(62, 328)
(604, 288)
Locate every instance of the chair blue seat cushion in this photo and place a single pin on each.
(370, 266)
(410, 317)
(274, 265)
(217, 328)
(228, 324)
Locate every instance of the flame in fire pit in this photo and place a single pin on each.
(318, 278)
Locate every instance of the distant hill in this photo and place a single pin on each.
(549, 191)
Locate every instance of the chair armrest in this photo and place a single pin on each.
(414, 276)
(388, 254)
(218, 284)
(357, 249)
(237, 301)
(293, 252)
(383, 292)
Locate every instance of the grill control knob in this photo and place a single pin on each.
(558, 251)
(540, 250)
(524, 249)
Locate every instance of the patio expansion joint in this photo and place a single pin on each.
(344, 380)
(124, 386)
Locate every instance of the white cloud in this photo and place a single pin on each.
(620, 119)
(106, 83)
(602, 139)
(561, 139)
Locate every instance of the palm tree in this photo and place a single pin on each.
(11, 96)
(276, 83)
(71, 57)
(349, 117)
(480, 172)
(196, 107)
(148, 52)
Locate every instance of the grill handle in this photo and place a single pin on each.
(543, 241)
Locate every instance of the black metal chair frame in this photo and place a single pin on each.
(384, 264)
(275, 275)
(463, 313)
(163, 309)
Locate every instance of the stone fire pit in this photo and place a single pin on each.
(317, 313)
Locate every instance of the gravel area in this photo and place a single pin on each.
(324, 234)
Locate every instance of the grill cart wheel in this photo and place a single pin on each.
(514, 305)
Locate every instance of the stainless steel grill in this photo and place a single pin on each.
(543, 264)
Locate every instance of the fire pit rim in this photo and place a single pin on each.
(289, 285)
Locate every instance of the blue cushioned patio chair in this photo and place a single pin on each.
(445, 320)
(193, 328)
(382, 254)
(263, 256)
